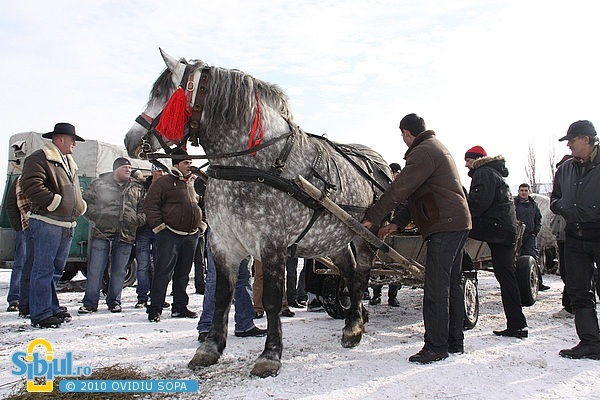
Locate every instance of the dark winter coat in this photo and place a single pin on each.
(428, 191)
(116, 209)
(491, 203)
(576, 196)
(172, 202)
(54, 193)
(529, 213)
(12, 209)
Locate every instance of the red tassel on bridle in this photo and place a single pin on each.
(175, 115)
(254, 139)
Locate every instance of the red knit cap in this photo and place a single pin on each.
(475, 152)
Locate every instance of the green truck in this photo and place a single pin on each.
(93, 159)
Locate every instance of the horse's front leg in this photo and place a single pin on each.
(209, 352)
(269, 362)
(356, 280)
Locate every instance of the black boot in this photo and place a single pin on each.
(392, 293)
(541, 286)
(376, 298)
(586, 324)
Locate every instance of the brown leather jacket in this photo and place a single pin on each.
(55, 196)
(172, 202)
(427, 191)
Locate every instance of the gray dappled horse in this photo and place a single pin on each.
(251, 205)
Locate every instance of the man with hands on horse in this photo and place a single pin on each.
(428, 192)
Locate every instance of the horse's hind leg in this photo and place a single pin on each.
(209, 352)
(356, 281)
(269, 362)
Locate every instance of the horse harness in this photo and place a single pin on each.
(272, 177)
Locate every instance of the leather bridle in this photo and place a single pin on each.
(197, 99)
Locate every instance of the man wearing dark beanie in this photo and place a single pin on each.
(172, 210)
(119, 162)
(115, 208)
(494, 222)
(576, 196)
(428, 192)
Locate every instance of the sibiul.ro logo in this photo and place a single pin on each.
(38, 366)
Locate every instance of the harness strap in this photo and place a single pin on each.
(248, 174)
(280, 162)
(194, 124)
(316, 214)
(351, 161)
(154, 156)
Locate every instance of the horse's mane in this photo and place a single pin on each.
(231, 98)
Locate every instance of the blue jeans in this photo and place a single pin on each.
(26, 274)
(146, 252)
(100, 252)
(17, 269)
(244, 310)
(175, 258)
(51, 245)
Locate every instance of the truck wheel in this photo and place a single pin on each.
(336, 299)
(130, 274)
(527, 280)
(68, 275)
(71, 269)
(471, 292)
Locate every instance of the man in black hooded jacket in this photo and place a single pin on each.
(494, 222)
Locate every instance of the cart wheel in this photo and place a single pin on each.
(527, 280)
(471, 292)
(336, 299)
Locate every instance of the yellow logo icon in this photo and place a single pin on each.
(41, 369)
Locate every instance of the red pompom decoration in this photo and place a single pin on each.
(175, 115)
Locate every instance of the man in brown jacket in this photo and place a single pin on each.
(429, 192)
(50, 181)
(172, 211)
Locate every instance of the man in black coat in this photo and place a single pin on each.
(576, 196)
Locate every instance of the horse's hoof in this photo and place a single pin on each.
(203, 358)
(351, 337)
(265, 367)
(351, 341)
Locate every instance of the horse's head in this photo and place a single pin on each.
(229, 110)
(142, 137)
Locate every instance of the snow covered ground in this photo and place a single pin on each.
(315, 366)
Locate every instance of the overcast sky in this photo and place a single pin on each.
(500, 74)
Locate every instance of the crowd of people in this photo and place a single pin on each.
(161, 215)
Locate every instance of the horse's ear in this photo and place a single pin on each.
(170, 61)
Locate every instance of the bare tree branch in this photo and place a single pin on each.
(530, 170)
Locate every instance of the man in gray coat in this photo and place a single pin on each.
(429, 192)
